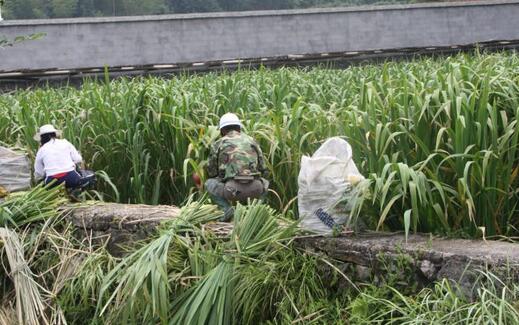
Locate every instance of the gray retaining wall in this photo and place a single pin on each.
(170, 39)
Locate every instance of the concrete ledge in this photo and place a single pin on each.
(432, 259)
(121, 225)
(104, 216)
(118, 225)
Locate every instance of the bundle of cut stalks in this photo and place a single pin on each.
(30, 306)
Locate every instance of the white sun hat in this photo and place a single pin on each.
(44, 129)
(229, 119)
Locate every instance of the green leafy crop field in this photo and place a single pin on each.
(437, 139)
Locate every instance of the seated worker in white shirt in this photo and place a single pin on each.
(56, 159)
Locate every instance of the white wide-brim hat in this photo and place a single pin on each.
(44, 129)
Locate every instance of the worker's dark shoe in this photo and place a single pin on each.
(228, 215)
(74, 195)
(225, 206)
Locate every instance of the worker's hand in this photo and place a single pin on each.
(197, 181)
(80, 166)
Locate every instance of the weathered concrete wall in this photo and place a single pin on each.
(429, 259)
(170, 39)
(116, 224)
(121, 225)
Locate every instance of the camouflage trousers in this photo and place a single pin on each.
(221, 193)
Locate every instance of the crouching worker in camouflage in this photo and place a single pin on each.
(235, 167)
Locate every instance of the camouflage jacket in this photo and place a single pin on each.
(235, 154)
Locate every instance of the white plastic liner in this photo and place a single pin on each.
(15, 170)
(323, 185)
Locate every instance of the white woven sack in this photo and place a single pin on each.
(323, 182)
(15, 170)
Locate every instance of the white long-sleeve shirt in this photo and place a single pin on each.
(55, 157)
